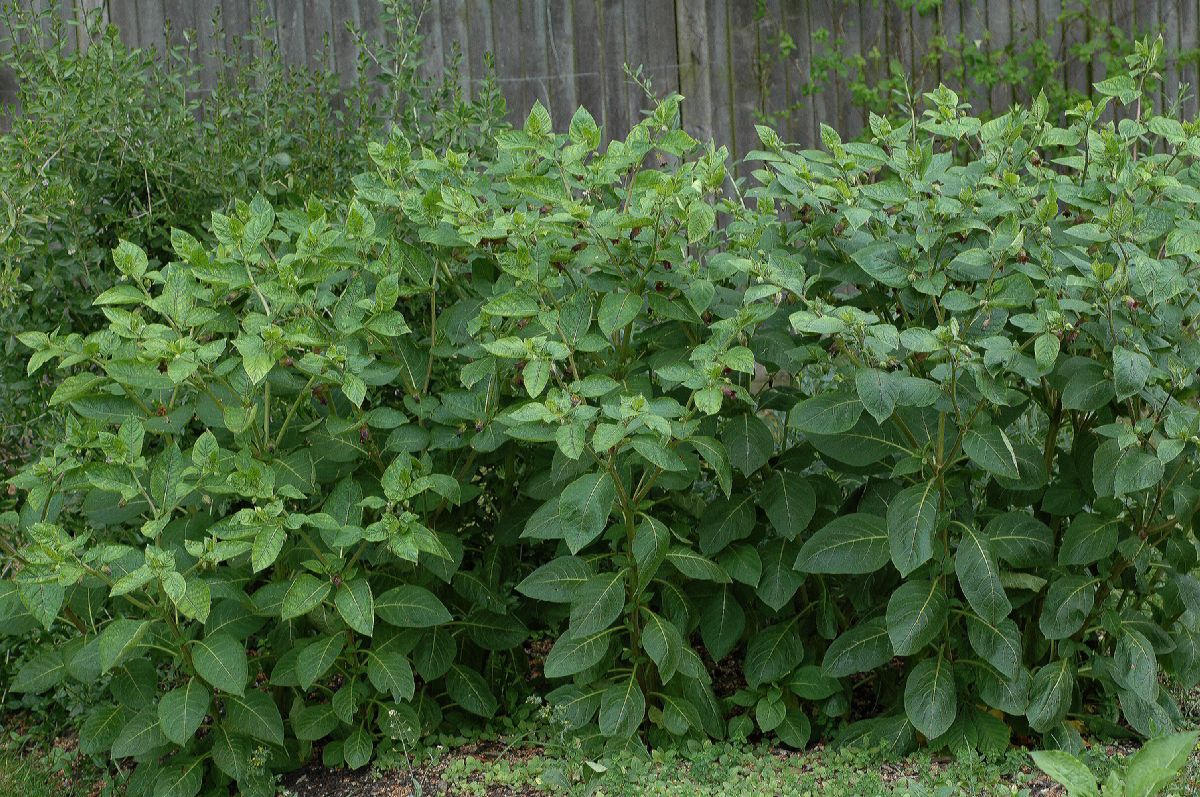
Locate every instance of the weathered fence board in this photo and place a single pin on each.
(737, 61)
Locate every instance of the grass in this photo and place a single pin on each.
(35, 764)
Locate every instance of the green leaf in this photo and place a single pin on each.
(558, 580)
(979, 576)
(44, 671)
(617, 309)
(314, 722)
(1155, 766)
(139, 736)
(622, 708)
(255, 714)
(356, 605)
(717, 457)
(862, 648)
(989, 448)
(1131, 370)
(916, 613)
(598, 603)
(1136, 665)
(305, 593)
(722, 621)
(1088, 539)
(390, 673)
(931, 697)
(100, 729)
(772, 654)
(1067, 606)
(317, 657)
(572, 654)
(358, 748)
(693, 565)
(1067, 770)
(878, 391)
(267, 545)
(726, 520)
(181, 711)
(1136, 471)
(119, 639)
(700, 221)
(827, 413)
(221, 660)
(469, 690)
(854, 543)
(997, 643)
(788, 501)
(911, 520)
(1050, 695)
(129, 259)
(410, 606)
(583, 508)
(748, 441)
(1020, 539)
(180, 777)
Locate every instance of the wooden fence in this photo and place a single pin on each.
(736, 61)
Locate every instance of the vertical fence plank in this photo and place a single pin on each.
(747, 79)
(1188, 41)
(723, 98)
(695, 76)
(346, 21)
(800, 118)
(506, 30)
(612, 60)
(152, 24)
(289, 17)
(999, 27)
(589, 90)
(872, 42)
(454, 41)
(125, 17)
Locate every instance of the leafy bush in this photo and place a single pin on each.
(1149, 771)
(914, 425)
(113, 143)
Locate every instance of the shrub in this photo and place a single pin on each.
(111, 143)
(912, 426)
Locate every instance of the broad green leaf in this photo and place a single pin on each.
(1131, 370)
(598, 603)
(854, 543)
(469, 690)
(989, 448)
(998, 643)
(557, 581)
(1068, 603)
(118, 640)
(583, 508)
(912, 518)
(772, 654)
(221, 660)
(1089, 538)
(788, 501)
(356, 605)
(390, 673)
(931, 697)
(255, 714)
(317, 657)
(878, 391)
(1067, 770)
(617, 310)
(1156, 765)
(748, 441)
(1050, 695)
(722, 621)
(979, 576)
(916, 614)
(181, 711)
(827, 413)
(862, 648)
(410, 606)
(572, 654)
(622, 708)
(305, 593)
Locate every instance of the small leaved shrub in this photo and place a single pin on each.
(901, 448)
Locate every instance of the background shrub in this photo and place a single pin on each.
(913, 427)
(113, 143)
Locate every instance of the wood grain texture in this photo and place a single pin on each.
(792, 63)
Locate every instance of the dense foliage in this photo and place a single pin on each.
(111, 143)
(913, 427)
